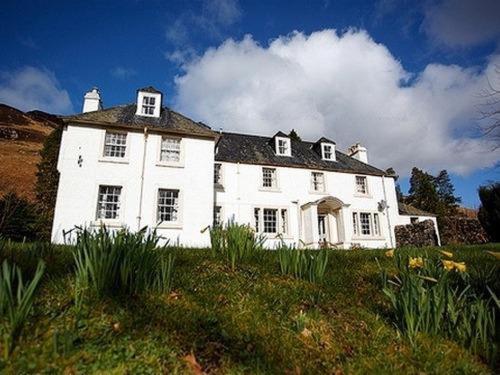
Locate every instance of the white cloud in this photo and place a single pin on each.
(31, 88)
(346, 87)
(121, 72)
(462, 23)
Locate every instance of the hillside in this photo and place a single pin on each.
(21, 139)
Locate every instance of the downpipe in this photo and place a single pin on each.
(143, 167)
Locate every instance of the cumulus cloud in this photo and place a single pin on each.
(462, 23)
(31, 88)
(346, 87)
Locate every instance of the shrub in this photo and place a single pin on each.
(434, 296)
(235, 242)
(303, 264)
(122, 262)
(18, 218)
(16, 300)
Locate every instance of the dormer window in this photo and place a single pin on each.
(149, 102)
(283, 147)
(148, 105)
(328, 151)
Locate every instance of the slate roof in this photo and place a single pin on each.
(124, 115)
(408, 210)
(252, 149)
(150, 89)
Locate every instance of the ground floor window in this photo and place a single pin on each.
(368, 224)
(108, 202)
(217, 216)
(168, 205)
(271, 220)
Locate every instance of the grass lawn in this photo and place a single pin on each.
(251, 320)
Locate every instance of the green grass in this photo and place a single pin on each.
(250, 320)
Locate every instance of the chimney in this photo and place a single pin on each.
(92, 101)
(358, 152)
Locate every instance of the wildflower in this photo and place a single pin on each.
(389, 253)
(417, 262)
(446, 253)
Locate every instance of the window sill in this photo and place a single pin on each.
(359, 195)
(270, 190)
(173, 225)
(107, 224)
(368, 238)
(114, 160)
(171, 165)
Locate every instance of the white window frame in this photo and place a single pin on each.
(109, 221)
(324, 146)
(366, 193)
(221, 215)
(323, 183)
(374, 223)
(167, 163)
(180, 208)
(274, 180)
(282, 222)
(286, 146)
(219, 183)
(114, 159)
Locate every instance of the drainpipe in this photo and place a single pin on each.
(299, 222)
(387, 213)
(139, 215)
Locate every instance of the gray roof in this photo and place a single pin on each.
(409, 210)
(252, 149)
(124, 115)
(150, 89)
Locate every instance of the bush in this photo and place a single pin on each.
(235, 242)
(303, 264)
(122, 262)
(434, 296)
(18, 218)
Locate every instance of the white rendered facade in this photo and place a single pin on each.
(146, 175)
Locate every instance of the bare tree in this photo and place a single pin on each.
(489, 109)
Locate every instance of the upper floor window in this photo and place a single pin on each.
(168, 205)
(170, 150)
(327, 151)
(269, 180)
(148, 105)
(115, 144)
(108, 202)
(218, 174)
(361, 185)
(318, 181)
(283, 147)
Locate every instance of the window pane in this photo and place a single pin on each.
(115, 145)
(318, 181)
(355, 223)
(217, 174)
(376, 225)
(284, 221)
(168, 205)
(269, 177)
(170, 150)
(108, 202)
(217, 216)
(270, 220)
(361, 186)
(365, 223)
(256, 214)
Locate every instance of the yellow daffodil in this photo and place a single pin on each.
(495, 254)
(448, 265)
(460, 267)
(389, 253)
(417, 262)
(446, 253)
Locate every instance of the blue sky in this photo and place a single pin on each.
(402, 77)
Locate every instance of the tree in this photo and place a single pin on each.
(433, 194)
(489, 211)
(294, 136)
(18, 218)
(489, 109)
(47, 181)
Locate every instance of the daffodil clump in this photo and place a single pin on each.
(450, 265)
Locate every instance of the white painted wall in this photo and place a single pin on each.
(78, 185)
(242, 192)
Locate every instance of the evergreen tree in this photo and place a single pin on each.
(489, 211)
(446, 193)
(423, 193)
(47, 181)
(294, 136)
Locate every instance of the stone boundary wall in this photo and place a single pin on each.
(456, 230)
(419, 234)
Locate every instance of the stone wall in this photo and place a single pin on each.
(418, 234)
(461, 230)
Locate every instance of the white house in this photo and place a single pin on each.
(143, 165)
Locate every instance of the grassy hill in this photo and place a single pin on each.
(21, 139)
(250, 320)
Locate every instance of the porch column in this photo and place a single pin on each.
(345, 226)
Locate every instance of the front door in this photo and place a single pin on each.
(322, 229)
